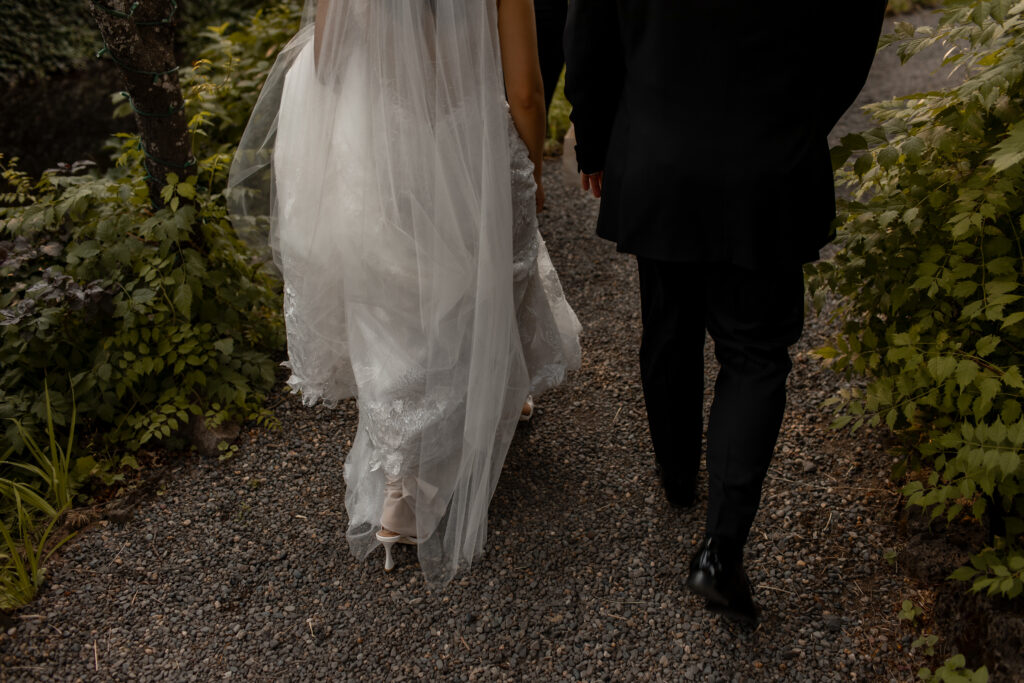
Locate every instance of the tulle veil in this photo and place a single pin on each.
(386, 199)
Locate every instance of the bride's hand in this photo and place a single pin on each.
(540, 196)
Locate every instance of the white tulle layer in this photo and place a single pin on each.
(416, 280)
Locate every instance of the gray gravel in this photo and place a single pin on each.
(240, 569)
(890, 79)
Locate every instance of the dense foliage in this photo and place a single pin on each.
(50, 36)
(44, 37)
(124, 323)
(929, 279)
(148, 316)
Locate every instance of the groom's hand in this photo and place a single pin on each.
(592, 182)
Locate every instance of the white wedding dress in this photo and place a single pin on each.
(403, 222)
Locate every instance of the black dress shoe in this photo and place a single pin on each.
(681, 492)
(716, 574)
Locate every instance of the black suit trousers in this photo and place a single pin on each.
(753, 317)
(551, 16)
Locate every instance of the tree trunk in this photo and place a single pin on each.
(139, 37)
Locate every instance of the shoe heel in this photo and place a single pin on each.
(528, 415)
(388, 542)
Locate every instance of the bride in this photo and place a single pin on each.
(395, 153)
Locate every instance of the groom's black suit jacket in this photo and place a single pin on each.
(709, 119)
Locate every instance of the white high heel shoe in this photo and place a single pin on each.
(388, 542)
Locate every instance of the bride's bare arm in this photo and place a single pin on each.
(523, 83)
(318, 32)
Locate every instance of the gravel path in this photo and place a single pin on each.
(240, 569)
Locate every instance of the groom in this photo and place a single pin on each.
(701, 125)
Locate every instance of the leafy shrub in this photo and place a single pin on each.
(140, 320)
(224, 83)
(930, 282)
(43, 37)
(151, 318)
(558, 114)
(50, 36)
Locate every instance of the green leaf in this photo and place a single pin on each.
(966, 371)
(913, 148)
(1010, 151)
(964, 574)
(986, 345)
(225, 346)
(854, 142)
(167, 191)
(989, 388)
(104, 372)
(1012, 378)
(83, 251)
(863, 164)
(839, 155)
(1013, 319)
(888, 157)
(183, 300)
(143, 296)
(942, 367)
(85, 467)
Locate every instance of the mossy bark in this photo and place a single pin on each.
(139, 37)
